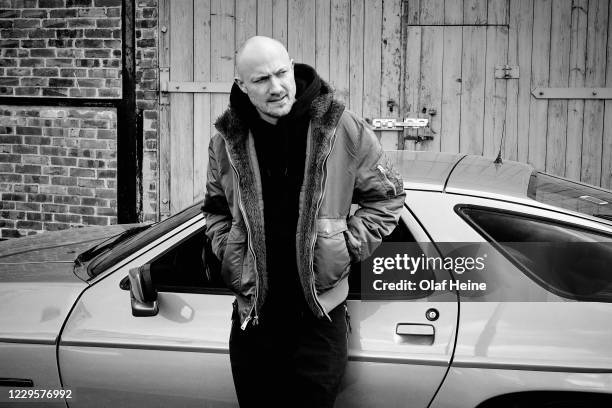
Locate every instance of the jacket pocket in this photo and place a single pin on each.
(234, 258)
(331, 256)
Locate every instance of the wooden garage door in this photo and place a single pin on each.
(354, 44)
(451, 55)
(393, 59)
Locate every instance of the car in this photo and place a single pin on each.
(138, 315)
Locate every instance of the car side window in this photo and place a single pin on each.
(568, 260)
(189, 266)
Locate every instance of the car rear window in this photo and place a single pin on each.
(571, 195)
(568, 260)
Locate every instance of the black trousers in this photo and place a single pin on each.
(296, 361)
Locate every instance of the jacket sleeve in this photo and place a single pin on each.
(379, 193)
(215, 208)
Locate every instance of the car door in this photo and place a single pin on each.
(553, 332)
(180, 356)
(394, 361)
(177, 358)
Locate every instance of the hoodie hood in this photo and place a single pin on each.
(308, 86)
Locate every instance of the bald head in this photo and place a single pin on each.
(259, 49)
(265, 74)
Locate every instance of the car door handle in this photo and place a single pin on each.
(414, 329)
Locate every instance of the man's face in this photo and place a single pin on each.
(268, 80)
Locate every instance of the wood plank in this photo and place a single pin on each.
(606, 157)
(411, 105)
(475, 12)
(510, 147)
(451, 90)
(413, 11)
(339, 48)
(556, 142)
(575, 108)
(264, 17)
(372, 64)
(497, 12)
(181, 126)
(279, 20)
(495, 90)
(223, 44)
(164, 115)
(592, 133)
(356, 55)
(539, 77)
(322, 38)
(453, 12)
(432, 12)
(472, 94)
(391, 58)
(301, 38)
(201, 102)
(246, 20)
(524, 27)
(198, 86)
(432, 51)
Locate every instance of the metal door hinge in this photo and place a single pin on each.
(572, 93)
(164, 78)
(506, 71)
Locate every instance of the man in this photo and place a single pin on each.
(283, 171)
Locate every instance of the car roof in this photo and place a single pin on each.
(460, 173)
(479, 176)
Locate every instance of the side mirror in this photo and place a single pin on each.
(142, 292)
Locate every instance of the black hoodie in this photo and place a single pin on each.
(281, 153)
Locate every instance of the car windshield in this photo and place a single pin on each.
(571, 195)
(127, 247)
(107, 245)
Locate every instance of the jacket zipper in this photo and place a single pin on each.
(246, 223)
(314, 238)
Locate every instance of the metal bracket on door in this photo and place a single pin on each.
(164, 78)
(572, 93)
(416, 129)
(506, 71)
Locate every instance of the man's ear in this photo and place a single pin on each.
(240, 84)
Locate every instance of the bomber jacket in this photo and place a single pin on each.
(343, 165)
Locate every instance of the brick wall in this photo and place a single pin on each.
(58, 164)
(60, 48)
(147, 101)
(57, 168)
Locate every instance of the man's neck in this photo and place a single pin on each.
(266, 118)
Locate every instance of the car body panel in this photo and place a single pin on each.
(468, 387)
(180, 356)
(36, 362)
(513, 340)
(55, 246)
(102, 332)
(475, 174)
(38, 283)
(185, 344)
(423, 170)
(35, 313)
